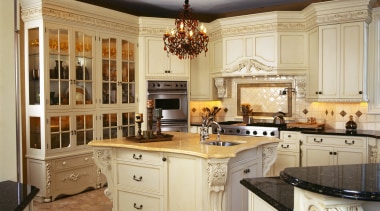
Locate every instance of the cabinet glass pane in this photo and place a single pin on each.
(128, 124)
(59, 66)
(35, 132)
(128, 73)
(84, 68)
(109, 125)
(34, 66)
(85, 129)
(60, 132)
(109, 71)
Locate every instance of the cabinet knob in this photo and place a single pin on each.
(86, 159)
(316, 141)
(246, 171)
(360, 92)
(64, 163)
(164, 159)
(289, 136)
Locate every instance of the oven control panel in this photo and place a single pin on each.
(170, 85)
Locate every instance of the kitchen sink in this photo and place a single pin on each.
(221, 143)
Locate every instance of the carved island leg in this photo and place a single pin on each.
(217, 177)
(103, 159)
(269, 156)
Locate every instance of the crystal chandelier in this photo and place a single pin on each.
(185, 40)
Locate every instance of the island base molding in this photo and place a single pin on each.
(308, 201)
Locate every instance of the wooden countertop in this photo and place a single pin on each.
(189, 143)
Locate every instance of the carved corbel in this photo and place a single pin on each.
(269, 156)
(220, 86)
(217, 177)
(103, 159)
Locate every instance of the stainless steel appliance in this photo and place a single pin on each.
(172, 98)
(253, 129)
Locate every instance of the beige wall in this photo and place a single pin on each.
(8, 165)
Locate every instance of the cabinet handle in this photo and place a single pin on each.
(136, 207)
(137, 179)
(285, 147)
(352, 142)
(137, 158)
(316, 141)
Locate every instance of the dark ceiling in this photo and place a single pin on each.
(206, 10)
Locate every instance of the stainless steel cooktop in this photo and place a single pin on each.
(254, 129)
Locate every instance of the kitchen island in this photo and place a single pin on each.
(317, 188)
(182, 174)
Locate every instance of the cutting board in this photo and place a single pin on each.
(305, 125)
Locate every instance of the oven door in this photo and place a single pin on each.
(173, 104)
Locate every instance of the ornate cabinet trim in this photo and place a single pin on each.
(217, 177)
(103, 159)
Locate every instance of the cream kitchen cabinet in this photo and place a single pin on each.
(200, 80)
(319, 150)
(373, 64)
(288, 152)
(71, 67)
(338, 63)
(161, 64)
(260, 54)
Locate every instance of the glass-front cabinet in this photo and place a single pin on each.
(118, 71)
(79, 86)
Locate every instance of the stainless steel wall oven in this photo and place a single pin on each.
(172, 98)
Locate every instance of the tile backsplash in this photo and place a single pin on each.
(334, 115)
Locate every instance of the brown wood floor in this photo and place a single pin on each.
(92, 200)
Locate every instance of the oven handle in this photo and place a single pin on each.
(167, 93)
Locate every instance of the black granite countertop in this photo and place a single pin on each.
(359, 181)
(273, 190)
(340, 132)
(16, 196)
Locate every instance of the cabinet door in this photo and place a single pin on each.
(352, 60)
(118, 73)
(59, 132)
(200, 83)
(350, 156)
(329, 60)
(160, 63)
(58, 48)
(317, 156)
(313, 73)
(285, 160)
(84, 124)
(184, 171)
(83, 73)
(117, 124)
(238, 194)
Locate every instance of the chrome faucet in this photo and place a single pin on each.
(206, 123)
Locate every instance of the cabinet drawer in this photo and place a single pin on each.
(152, 158)
(74, 180)
(140, 178)
(337, 141)
(288, 146)
(133, 201)
(70, 162)
(289, 135)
